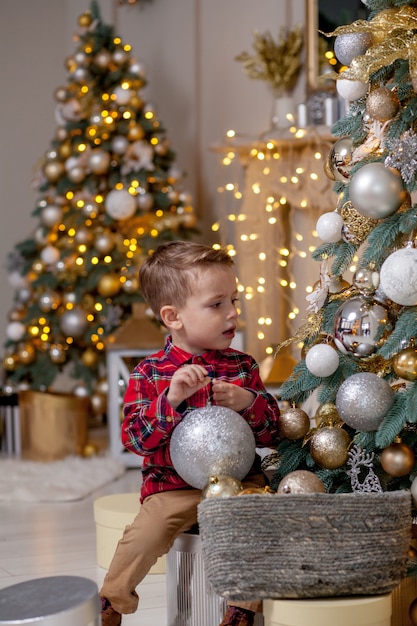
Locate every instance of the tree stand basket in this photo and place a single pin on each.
(305, 545)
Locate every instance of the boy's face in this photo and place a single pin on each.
(209, 317)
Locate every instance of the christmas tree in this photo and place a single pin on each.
(359, 353)
(109, 193)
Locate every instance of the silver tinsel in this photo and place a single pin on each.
(212, 441)
(403, 155)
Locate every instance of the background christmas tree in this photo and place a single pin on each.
(359, 356)
(109, 193)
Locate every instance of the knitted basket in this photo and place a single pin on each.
(305, 545)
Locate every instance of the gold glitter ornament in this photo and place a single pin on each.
(294, 423)
(329, 447)
(382, 104)
(300, 481)
(356, 226)
(397, 459)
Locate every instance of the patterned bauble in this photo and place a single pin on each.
(294, 423)
(222, 486)
(340, 159)
(120, 204)
(366, 281)
(356, 227)
(398, 276)
(212, 441)
(351, 45)
(376, 191)
(329, 447)
(382, 104)
(363, 400)
(322, 360)
(360, 326)
(397, 459)
(351, 89)
(329, 227)
(404, 363)
(301, 481)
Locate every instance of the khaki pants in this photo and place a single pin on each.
(161, 519)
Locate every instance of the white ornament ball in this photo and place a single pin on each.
(398, 277)
(120, 204)
(351, 45)
(17, 280)
(15, 331)
(322, 360)
(99, 161)
(351, 89)
(212, 441)
(119, 144)
(329, 227)
(363, 400)
(376, 191)
(51, 215)
(122, 96)
(50, 255)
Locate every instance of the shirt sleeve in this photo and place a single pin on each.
(149, 419)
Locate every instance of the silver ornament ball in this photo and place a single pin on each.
(212, 441)
(376, 191)
(363, 400)
(340, 159)
(360, 326)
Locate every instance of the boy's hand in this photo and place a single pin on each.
(186, 381)
(231, 396)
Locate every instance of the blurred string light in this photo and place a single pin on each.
(281, 175)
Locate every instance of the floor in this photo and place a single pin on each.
(38, 540)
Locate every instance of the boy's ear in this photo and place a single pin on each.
(169, 317)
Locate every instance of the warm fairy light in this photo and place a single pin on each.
(282, 263)
(230, 186)
(231, 217)
(295, 180)
(98, 306)
(90, 317)
(105, 97)
(314, 176)
(262, 257)
(81, 147)
(69, 195)
(283, 282)
(107, 259)
(127, 115)
(71, 232)
(230, 134)
(149, 115)
(256, 188)
(284, 251)
(260, 289)
(69, 306)
(261, 156)
(309, 289)
(95, 260)
(79, 261)
(318, 156)
(293, 285)
(34, 330)
(215, 227)
(99, 199)
(94, 338)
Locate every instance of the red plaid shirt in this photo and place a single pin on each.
(149, 419)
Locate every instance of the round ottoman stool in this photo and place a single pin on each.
(348, 611)
(112, 514)
(63, 600)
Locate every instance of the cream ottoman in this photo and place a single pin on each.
(111, 515)
(349, 611)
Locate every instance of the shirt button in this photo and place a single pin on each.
(169, 418)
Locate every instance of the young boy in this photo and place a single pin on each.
(191, 289)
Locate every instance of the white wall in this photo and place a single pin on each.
(199, 90)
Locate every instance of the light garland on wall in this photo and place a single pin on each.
(271, 194)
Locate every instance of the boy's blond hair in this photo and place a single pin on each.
(168, 276)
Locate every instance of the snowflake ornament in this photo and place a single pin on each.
(403, 155)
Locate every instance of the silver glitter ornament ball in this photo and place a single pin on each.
(351, 45)
(212, 441)
(363, 400)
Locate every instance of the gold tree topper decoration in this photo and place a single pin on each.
(278, 64)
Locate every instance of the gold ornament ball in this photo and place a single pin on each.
(329, 447)
(108, 285)
(248, 491)
(53, 170)
(301, 481)
(10, 362)
(89, 450)
(89, 357)
(294, 423)
(135, 132)
(85, 19)
(26, 354)
(382, 104)
(397, 459)
(221, 486)
(405, 363)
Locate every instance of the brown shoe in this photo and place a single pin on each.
(109, 617)
(236, 616)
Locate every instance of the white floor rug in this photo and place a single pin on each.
(72, 478)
